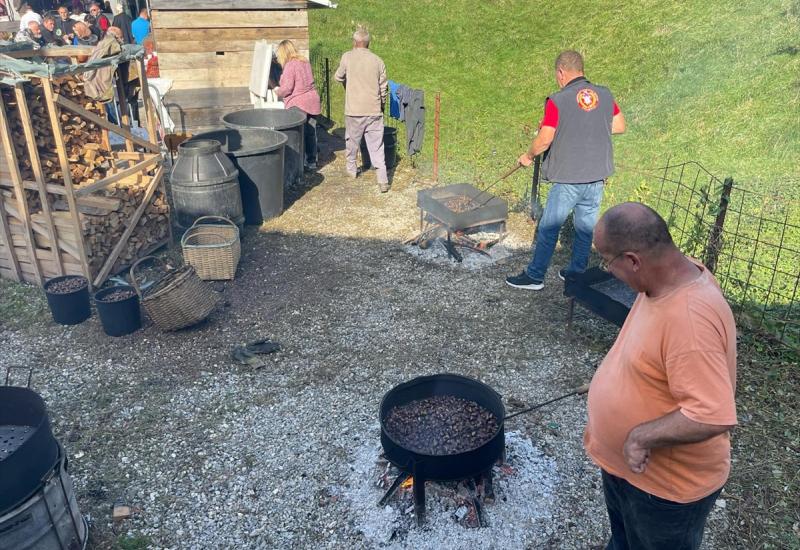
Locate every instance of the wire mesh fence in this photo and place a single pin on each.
(321, 69)
(749, 239)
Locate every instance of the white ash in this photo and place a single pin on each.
(437, 253)
(524, 503)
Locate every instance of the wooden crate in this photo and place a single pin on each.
(68, 203)
(211, 48)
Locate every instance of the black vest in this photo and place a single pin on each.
(581, 150)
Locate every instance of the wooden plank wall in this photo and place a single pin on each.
(213, 49)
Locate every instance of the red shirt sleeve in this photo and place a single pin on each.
(616, 109)
(550, 114)
(104, 24)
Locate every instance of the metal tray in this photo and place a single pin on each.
(431, 201)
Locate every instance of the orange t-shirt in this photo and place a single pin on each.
(674, 352)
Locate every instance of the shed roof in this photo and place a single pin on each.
(17, 70)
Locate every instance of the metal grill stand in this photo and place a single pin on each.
(484, 209)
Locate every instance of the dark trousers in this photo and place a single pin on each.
(310, 138)
(641, 521)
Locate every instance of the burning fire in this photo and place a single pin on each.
(407, 484)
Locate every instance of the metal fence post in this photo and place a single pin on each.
(436, 138)
(712, 248)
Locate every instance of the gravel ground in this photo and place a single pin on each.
(214, 454)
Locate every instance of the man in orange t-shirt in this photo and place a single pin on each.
(662, 402)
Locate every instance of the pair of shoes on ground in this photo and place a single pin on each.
(523, 281)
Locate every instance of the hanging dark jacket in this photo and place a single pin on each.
(412, 112)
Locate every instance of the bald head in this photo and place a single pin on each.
(633, 226)
(116, 31)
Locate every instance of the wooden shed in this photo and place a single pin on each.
(206, 48)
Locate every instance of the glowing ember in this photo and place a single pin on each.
(407, 484)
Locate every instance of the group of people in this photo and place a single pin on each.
(662, 402)
(79, 29)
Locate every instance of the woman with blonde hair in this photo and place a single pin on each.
(296, 89)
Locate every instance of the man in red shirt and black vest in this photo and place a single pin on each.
(575, 137)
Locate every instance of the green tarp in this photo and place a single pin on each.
(20, 70)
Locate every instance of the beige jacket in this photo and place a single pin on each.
(364, 76)
(99, 82)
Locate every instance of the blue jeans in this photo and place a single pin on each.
(641, 521)
(582, 198)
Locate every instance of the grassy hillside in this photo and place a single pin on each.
(711, 81)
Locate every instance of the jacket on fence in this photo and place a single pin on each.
(394, 101)
(99, 83)
(412, 113)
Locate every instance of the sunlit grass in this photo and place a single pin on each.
(713, 82)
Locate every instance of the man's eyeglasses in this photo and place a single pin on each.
(606, 265)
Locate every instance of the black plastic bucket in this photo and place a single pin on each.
(286, 121)
(70, 308)
(120, 317)
(389, 149)
(259, 156)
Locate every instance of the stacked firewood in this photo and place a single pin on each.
(103, 230)
(103, 215)
(82, 139)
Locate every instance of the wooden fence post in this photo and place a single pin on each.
(715, 236)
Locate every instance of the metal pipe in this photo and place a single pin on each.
(576, 391)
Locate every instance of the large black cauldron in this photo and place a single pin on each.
(444, 467)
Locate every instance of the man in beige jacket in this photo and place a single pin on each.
(364, 77)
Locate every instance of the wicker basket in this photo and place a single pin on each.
(212, 249)
(178, 300)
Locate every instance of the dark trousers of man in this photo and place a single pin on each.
(641, 521)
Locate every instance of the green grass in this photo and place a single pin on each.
(714, 82)
(128, 542)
